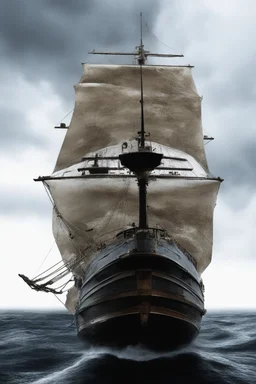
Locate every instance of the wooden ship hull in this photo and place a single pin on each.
(141, 289)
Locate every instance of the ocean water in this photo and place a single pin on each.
(42, 348)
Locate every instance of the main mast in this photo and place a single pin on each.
(141, 62)
(143, 161)
(142, 182)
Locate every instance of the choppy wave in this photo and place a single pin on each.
(42, 348)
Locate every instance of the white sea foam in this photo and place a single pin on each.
(130, 353)
(61, 374)
(140, 353)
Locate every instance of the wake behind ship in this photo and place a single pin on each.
(133, 203)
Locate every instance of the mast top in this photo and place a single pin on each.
(140, 53)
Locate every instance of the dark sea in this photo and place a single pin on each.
(42, 348)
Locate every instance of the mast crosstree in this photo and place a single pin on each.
(140, 53)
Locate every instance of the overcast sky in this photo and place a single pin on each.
(42, 46)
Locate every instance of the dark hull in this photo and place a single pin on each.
(142, 290)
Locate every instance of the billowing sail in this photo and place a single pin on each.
(95, 197)
(107, 110)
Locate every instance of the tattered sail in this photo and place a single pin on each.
(96, 208)
(95, 197)
(107, 110)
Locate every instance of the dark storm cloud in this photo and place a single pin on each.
(48, 40)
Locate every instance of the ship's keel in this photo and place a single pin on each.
(144, 324)
(160, 333)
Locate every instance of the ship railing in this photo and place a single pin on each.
(154, 233)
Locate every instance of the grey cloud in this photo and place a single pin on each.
(226, 69)
(225, 79)
(23, 203)
(49, 39)
(75, 8)
(14, 134)
(236, 164)
(235, 89)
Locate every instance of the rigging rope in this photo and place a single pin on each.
(155, 37)
(45, 257)
(59, 300)
(66, 115)
(65, 268)
(40, 274)
(65, 284)
(61, 218)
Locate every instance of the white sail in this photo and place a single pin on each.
(107, 110)
(92, 210)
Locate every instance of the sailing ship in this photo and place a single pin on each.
(133, 203)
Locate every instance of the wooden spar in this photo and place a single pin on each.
(45, 178)
(140, 53)
(117, 158)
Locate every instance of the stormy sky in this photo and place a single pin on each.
(42, 46)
